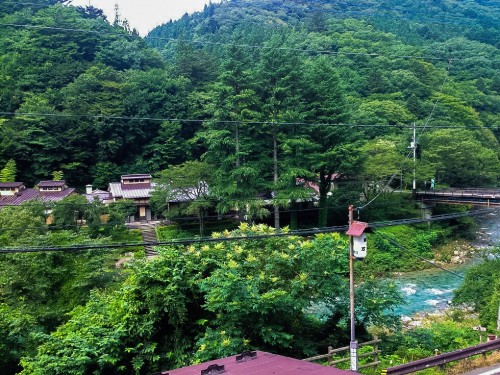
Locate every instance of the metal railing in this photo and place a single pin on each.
(466, 192)
(442, 359)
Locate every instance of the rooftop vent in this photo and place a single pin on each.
(246, 356)
(213, 370)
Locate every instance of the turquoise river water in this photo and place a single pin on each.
(432, 290)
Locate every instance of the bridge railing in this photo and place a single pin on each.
(466, 192)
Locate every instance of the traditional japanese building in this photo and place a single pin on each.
(16, 193)
(136, 187)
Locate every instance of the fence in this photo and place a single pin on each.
(333, 352)
(442, 359)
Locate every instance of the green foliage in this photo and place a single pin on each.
(92, 214)
(68, 211)
(481, 291)
(21, 223)
(16, 326)
(171, 232)
(8, 173)
(57, 175)
(103, 173)
(127, 101)
(213, 299)
(93, 106)
(421, 342)
(118, 212)
(38, 289)
(383, 256)
(183, 190)
(460, 159)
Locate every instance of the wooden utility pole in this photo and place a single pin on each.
(414, 147)
(498, 318)
(353, 344)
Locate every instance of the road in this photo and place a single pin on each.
(492, 370)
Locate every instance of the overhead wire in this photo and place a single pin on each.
(249, 46)
(368, 12)
(434, 264)
(446, 76)
(7, 115)
(299, 233)
(239, 122)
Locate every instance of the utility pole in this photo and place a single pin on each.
(353, 344)
(414, 147)
(498, 318)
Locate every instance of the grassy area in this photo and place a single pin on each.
(192, 229)
(171, 232)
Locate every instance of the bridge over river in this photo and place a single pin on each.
(477, 197)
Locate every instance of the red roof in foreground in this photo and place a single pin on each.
(261, 364)
(357, 228)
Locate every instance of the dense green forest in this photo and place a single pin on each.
(221, 84)
(258, 99)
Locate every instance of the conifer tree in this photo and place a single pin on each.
(8, 173)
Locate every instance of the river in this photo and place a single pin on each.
(432, 290)
(428, 291)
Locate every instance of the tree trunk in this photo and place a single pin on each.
(237, 141)
(293, 216)
(201, 217)
(276, 177)
(324, 188)
(241, 213)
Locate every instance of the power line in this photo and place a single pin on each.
(300, 233)
(418, 256)
(446, 76)
(365, 11)
(180, 218)
(249, 46)
(8, 115)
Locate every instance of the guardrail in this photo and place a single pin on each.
(442, 359)
(486, 193)
(476, 197)
(332, 352)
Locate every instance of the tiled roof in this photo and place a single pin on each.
(10, 184)
(51, 183)
(100, 194)
(54, 196)
(35, 194)
(133, 191)
(135, 176)
(144, 190)
(262, 364)
(115, 189)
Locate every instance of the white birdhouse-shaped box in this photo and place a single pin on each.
(359, 246)
(357, 231)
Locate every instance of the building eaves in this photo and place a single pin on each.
(51, 183)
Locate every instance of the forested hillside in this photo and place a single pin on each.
(93, 101)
